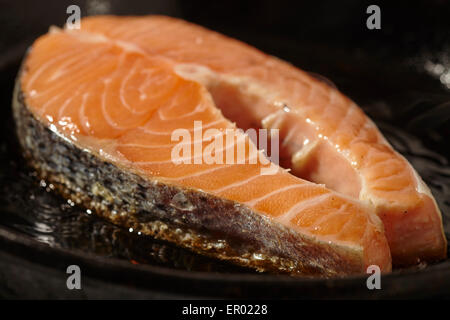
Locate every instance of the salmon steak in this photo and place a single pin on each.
(145, 121)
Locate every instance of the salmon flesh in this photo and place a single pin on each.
(97, 108)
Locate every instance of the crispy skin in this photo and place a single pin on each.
(216, 227)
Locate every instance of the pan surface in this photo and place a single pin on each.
(399, 75)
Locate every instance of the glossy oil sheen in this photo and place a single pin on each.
(31, 207)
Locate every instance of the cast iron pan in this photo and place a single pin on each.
(400, 75)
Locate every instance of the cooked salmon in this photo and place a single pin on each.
(96, 111)
(326, 136)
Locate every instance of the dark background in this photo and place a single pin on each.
(400, 75)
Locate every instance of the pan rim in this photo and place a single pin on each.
(16, 238)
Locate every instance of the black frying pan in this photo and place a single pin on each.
(400, 75)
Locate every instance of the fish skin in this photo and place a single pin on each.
(217, 227)
(63, 150)
(364, 165)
